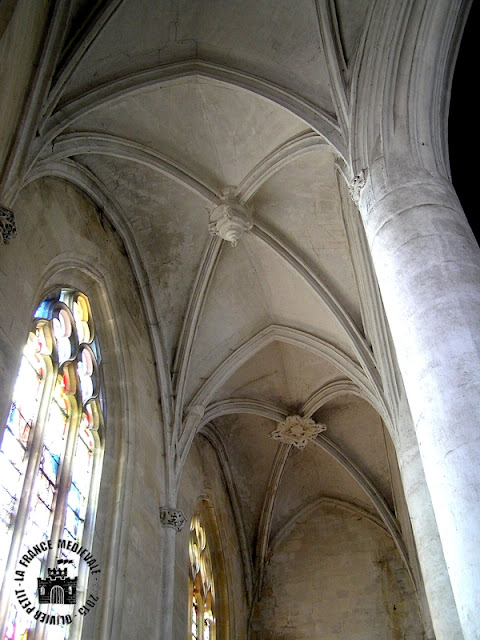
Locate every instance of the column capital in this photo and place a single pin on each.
(8, 229)
(173, 518)
(388, 190)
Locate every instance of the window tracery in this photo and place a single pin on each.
(50, 449)
(202, 585)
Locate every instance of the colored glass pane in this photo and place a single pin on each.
(85, 369)
(19, 622)
(194, 628)
(39, 518)
(14, 455)
(81, 478)
(201, 572)
(17, 625)
(74, 498)
(62, 330)
(63, 323)
(8, 502)
(81, 315)
(13, 459)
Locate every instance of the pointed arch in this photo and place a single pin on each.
(52, 445)
(113, 497)
(196, 410)
(312, 114)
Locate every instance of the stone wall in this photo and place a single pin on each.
(64, 240)
(203, 486)
(336, 575)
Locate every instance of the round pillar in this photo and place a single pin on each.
(436, 581)
(427, 263)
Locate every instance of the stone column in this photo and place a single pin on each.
(172, 521)
(428, 267)
(438, 590)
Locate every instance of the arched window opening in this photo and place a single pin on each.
(50, 453)
(202, 585)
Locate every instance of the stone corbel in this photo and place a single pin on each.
(8, 229)
(173, 518)
(357, 185)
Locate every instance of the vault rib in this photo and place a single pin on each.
(289, 335)
(372, 492)
(330, 392)
(244, 405)
(189, 329)
(273, 162)
(332, 47)
(84, 103)
(89, 142)
(309, 508)
(358, 342)
(31, 112)
(78, 47)
(81, 177)
(268, 410)
(265, 524)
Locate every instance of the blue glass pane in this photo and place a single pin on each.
(12, 623)
(45, 490)
(85, 370)
(18, 424)
(38, 522)
(82, 466)
(44, 310)
(96, 351)
(56, 427)
(74, 498)
(66, 296)
(49, 464)
(72, 523)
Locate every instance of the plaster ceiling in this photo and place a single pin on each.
(143, 34)
(277, 322)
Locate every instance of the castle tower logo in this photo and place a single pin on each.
(58, 588)
(54, 599)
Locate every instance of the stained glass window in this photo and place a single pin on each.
(202, 584)
(49, 445)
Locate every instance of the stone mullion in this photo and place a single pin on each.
(61, 497)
